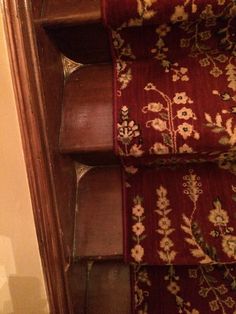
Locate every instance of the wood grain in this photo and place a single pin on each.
(87, 111)
(99, 228)
(101, 287)
(64, 12)
(109, 289)
(32, 118)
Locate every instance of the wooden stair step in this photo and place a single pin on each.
(87, 115)
(101, 287)
(98, 224)
(64, 12)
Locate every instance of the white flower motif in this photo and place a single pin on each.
(138, 210)
(185, 113)
(179, 15)
(138, 228)
(137, 253)
(180, 98)
(136, 150)
(159, 149)
(159, 124)
(185, 149)
(185, 130)
(163, 29)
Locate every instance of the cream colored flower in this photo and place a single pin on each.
(214, 305)
(159, 149)
(137, 253)
(153, 106)
(138, 228)
(127, 130)
(180, 98)
(157, 124)
(185, 113)
(179, 15)
(138, 210)
(222, 289)
(230, 302)
(183, 70)
(204, 62)
(166, 243)
(218, 217)
(131, 169)
(221, 58)
(185, 149)
(136, 150)
(162, 203)
(229, 245)
(164, 223)
(125, 78)
(149, 86)
(216, 72)
(173, 287)
(185, 130)
(163, 29)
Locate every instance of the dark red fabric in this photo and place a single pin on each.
(180, 215)
(175, 131)
(185, 289)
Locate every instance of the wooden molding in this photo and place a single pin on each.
(30, 100)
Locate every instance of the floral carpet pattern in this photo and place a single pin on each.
(175, 132)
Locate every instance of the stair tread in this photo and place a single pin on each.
(86, 96)
(70, 12)
(108, 287)
(99, 228)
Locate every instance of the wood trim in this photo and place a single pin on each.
(30, 101)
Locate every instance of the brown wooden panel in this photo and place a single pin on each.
(100, 288)
(109, 289)
(71, 11)
(87, 111)
(37, 6)
(77, 281)
(99, 229)
(85, 44)
(62, 166)
(38, 156)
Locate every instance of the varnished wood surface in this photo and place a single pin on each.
(64, 12)
(37, 6)
(36, 143)
(99, 227)
(87, 111)
(100, 288)
(62, 165)
(109, 289)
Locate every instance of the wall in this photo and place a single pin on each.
(22, 289)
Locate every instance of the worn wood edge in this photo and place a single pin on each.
(28, 92)
(69, 20)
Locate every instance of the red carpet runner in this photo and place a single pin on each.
(175, 132)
